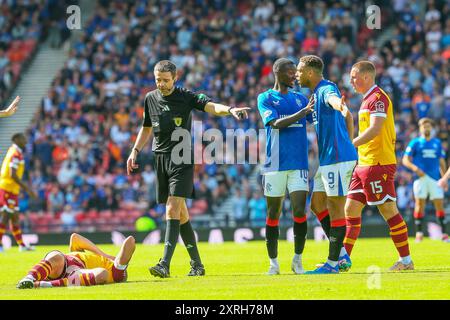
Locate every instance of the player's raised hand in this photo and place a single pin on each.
(343, 105)
(131, 162)
(11, 109)
(239, 112)
(310, 106)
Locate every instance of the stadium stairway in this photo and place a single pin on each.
(33, 86)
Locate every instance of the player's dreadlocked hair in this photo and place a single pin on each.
(281, 65)
(166, 66)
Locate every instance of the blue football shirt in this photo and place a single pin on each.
(332, 135)
(426, 155)
(287, 148)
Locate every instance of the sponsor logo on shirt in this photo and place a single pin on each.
(429, 153)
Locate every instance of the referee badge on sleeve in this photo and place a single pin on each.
(178, 121)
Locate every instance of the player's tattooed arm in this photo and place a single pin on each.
(287, 121)
(12, 108)
(80, 243)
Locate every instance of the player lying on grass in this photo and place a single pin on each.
(84, 265)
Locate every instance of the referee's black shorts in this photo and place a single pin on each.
(173, 179)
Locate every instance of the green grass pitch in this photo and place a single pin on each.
(237, 271)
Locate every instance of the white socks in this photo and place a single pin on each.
(45, 284)
(343, 252)
(119, 266)
(406, 260)
(332, 263)
(274, 262)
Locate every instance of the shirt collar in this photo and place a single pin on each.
(318, 85)
(369, 91)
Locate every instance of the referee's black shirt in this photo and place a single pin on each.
(167, 113)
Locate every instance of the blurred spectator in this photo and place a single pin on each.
(240, 208)
(257, 206)
(68, 218)
(55, 200)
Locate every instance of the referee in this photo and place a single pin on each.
(166, 109)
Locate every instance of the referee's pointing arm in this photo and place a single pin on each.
(222, 110)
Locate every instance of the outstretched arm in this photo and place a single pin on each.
(218, 109)
(281, 123)
(340, 105)
(80, 243)
(11, 109)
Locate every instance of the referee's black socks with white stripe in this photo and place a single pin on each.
(170, 239)
(188, 236)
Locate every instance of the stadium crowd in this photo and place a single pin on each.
(82, 136)
(23, 24)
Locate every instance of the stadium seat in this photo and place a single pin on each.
(106, 214)
(92, 214)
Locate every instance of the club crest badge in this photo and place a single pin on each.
(178, 121)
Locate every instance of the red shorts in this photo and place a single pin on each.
(9, 202)
(373, 185)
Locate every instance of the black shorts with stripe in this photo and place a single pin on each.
(173, 179)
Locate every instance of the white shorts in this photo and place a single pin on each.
(426, 186)
(334, 179)
(276, 182)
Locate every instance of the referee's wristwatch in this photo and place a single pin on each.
(136, 149)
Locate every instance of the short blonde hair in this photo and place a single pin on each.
(365, 67)
(426, 120)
